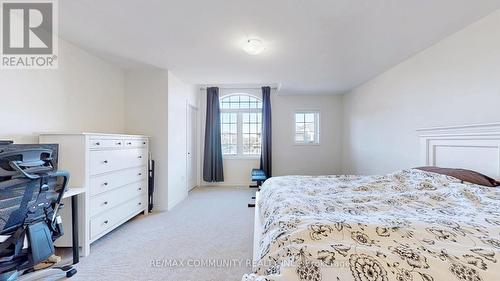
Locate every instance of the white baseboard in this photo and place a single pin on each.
(227, 184)
(171, 205)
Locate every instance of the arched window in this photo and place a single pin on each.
(241, 122)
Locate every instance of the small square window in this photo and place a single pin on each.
(307, 128)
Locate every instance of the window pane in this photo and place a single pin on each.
(234, 128)
(233, 139)
(299, 127)
(232, 149)
(245, 104)
(309, 127)
(229, 133)
(309, 137)
(299, 137)
(246, 117)
(253, 117)
(240, 101)
(225, 149)
(251, 133)
(299, 117)
(309, 117)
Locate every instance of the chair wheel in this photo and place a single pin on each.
(71, 272)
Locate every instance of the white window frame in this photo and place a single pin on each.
(239, 126)
(317, 127)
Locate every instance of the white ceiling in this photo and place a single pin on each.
(313, 46)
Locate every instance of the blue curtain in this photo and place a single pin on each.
(212, 162)
(266, 150)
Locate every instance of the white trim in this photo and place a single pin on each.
(473, 127)
(173, 204)
(226, 184)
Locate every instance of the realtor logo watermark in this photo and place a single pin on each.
(29, 34)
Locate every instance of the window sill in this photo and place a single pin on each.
(306, 144)
(241, 157)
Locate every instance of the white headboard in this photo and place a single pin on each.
(474, 147)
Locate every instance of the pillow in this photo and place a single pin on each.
(463, 174)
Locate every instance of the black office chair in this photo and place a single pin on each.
(30, 198)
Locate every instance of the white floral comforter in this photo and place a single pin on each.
(409, 225)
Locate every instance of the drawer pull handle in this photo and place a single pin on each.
(106, 222)
(105, 183)
(105, 161)
(105, 202)
(143, 142)
(129, 143)
(140, 188)
(139, 174)
(97, 143)
(118, 143)
(139, 157)
(139, 203)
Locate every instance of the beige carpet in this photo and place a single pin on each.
(204, 238)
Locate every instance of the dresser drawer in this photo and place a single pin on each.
(110, 181)
(109, 219)
(135, 142)
(106, 143)
(112, 160)
(113, 198)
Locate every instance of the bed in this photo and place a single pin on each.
(407, 225)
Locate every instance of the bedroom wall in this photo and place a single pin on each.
(146, 104)
(454, 82)
(322, 159)
(156, 105)
(289, 158)
(73, 98)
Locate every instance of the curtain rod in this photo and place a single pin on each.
(237, 88)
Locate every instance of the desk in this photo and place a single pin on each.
(73, 192)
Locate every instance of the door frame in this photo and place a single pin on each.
(195, 144)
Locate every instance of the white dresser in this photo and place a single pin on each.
(113, 171)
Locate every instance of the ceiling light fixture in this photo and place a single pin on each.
(253, 46)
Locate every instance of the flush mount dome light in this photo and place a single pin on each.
(253, 46)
